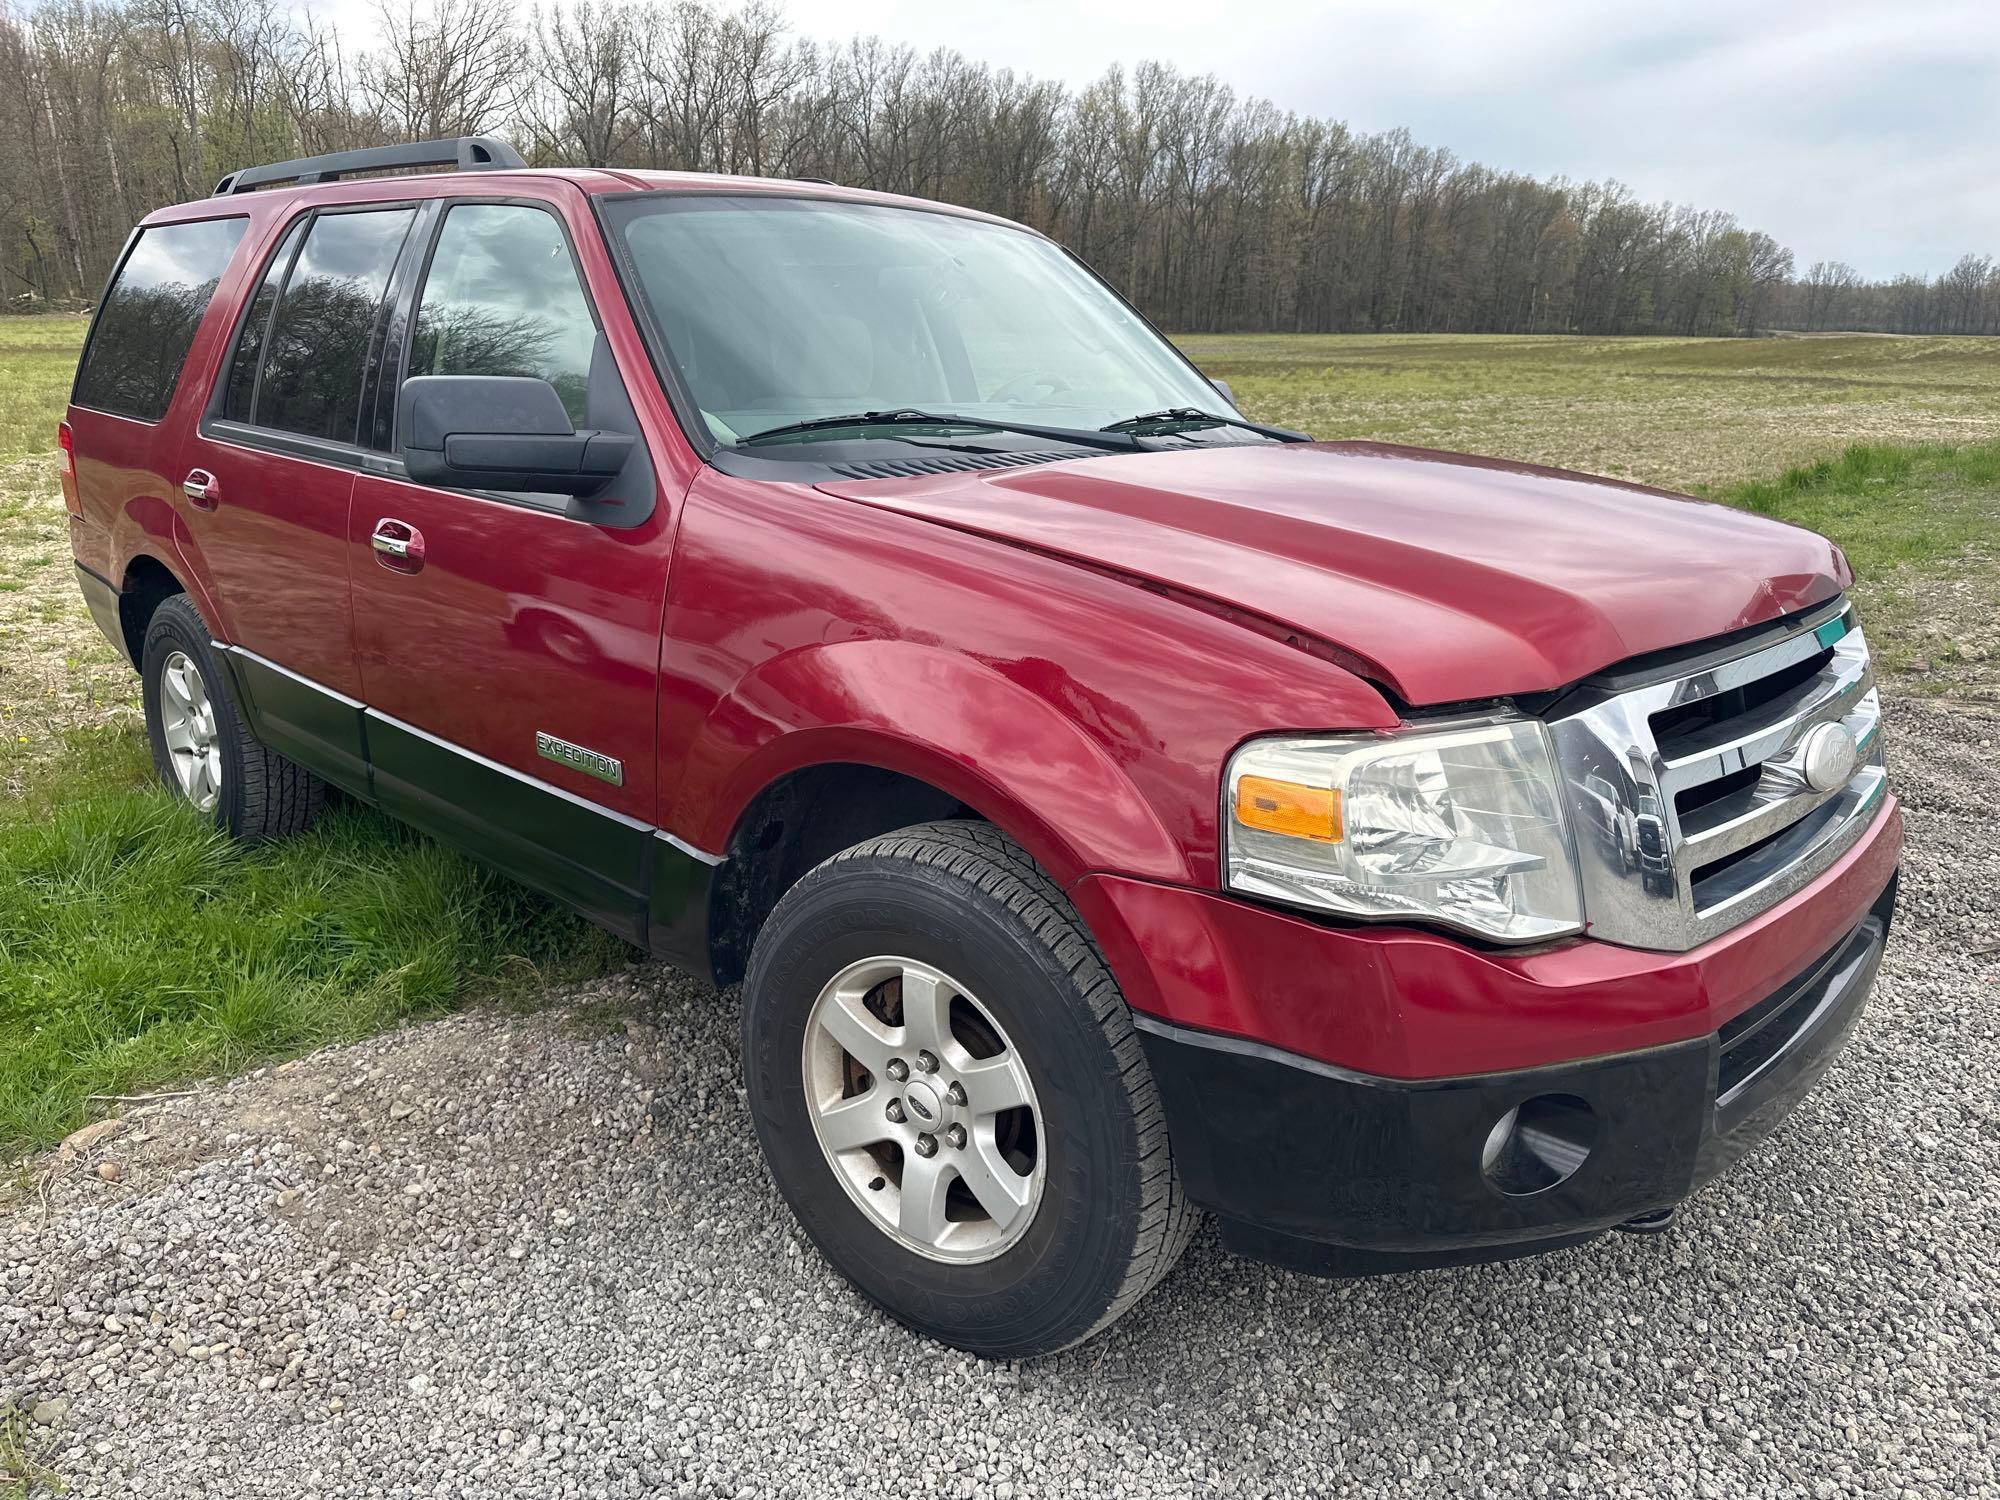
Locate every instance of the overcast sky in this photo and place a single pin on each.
(1865, 132)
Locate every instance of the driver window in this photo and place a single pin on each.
(502, 297)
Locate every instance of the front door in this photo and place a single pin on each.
(509, 654)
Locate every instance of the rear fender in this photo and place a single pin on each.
(149, 527)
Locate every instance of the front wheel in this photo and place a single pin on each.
(947, 1086)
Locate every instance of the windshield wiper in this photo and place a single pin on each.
(909, 416)
(1188, 415)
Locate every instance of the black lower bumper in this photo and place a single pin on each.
(1336, 1173)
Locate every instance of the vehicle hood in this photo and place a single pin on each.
(1446, 577)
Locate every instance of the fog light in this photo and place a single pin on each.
(1538, 1144)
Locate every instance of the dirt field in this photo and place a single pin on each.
(1684, 413)
(536, 1257)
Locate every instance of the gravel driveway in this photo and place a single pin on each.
(538, 1255)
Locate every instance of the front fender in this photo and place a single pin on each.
(946, 719)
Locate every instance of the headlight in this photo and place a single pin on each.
(1461, 825)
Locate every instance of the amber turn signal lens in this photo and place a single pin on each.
(1303, 812)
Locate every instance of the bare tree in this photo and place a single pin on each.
(1825, 291)
(452, 69)
(1211, 210)
(579, 110)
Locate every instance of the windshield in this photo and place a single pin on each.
(779, 310)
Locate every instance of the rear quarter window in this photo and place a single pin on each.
(148, 318)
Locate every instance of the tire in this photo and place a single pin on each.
(253, 794)
(961, 906)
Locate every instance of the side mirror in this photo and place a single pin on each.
(1227, 394)
(501, 432)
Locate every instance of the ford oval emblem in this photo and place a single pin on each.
(1828, 757)
(923, 1102)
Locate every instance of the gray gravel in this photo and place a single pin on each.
(507, 1255)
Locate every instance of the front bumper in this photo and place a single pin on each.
(1332, 1172)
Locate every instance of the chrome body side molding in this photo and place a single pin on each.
(639, 881)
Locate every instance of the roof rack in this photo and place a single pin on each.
(465, 153)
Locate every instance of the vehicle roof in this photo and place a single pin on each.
(598, 182)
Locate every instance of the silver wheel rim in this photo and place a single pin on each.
(924, 1110)
(187, 720)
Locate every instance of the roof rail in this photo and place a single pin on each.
(465, 153)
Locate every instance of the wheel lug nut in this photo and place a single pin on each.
(955, 1137)
(926, 1063)
(927, 1145)
(898, 1069)
(896, 1111)
(955, 1094)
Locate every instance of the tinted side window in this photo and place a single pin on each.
(502, 297)
(326, 318)
(150, 314)
(242, 384)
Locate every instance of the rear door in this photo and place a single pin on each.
(270, 472)
(509, 651)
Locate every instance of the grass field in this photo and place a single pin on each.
(37, 359)
(1683, 413)
(137, 949)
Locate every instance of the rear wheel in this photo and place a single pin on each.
(949, 1091)
(202, 749)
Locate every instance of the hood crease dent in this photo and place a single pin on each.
(1444, 577)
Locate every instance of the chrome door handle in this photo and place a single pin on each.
(398, 545)
(203, 488)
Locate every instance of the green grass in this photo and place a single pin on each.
(37, 360)
(1921, 526)
(139, 947)
(22, 1448)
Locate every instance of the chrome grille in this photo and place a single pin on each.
(1700, 798)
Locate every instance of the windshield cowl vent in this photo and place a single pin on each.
(957, 463)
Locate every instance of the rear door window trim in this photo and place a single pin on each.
(255, 435)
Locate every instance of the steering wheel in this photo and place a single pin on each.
(1021, 386)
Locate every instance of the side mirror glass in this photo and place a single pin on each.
(501, 432)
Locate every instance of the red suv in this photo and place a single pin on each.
(1112, 808)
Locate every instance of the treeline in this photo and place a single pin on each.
(1213, 211)
(1833, 295)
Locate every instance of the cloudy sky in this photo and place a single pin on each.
(1857, 130)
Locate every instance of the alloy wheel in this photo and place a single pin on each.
(924, 1109)
(187, 719)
